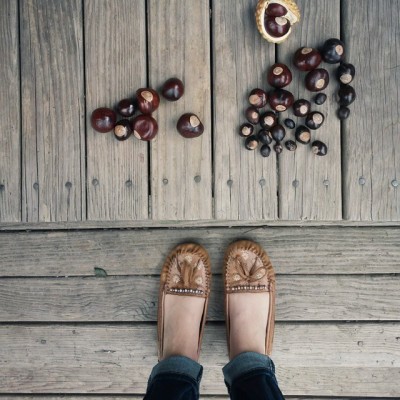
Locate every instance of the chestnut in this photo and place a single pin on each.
(173, 89)
(314, 120)
(278, 148)
(319, 148)
(123, 129)
(268, 119)
(253, 115)
(343, 113)
(289, 123)
(246, 130)
(333, 51)
(320, 99)
(251, 143)
(276, 10)
(317, 79)
(345, 73)
(291, 145)
(276, 26)
(265, 150)
(301, 107)
(189, 126)
(303, 135)
(148, 100)
(144, 127)
(279, 75)
(346, 95)
(280, 100)
(278, 133)
(264, 136)
(126, 108)
(307, 59)
(103, 119)
(258, 98)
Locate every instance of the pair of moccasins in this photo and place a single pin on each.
(187, 272)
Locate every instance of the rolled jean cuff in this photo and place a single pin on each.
(178, 365)
(246, 362)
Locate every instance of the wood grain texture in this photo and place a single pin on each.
(52, 111)
(179, 45)
(10, 119)
(371, 135)
(293, 250)
(115, 49)
(309, 185)
(311, 359)
(133, 299)
(245, 183)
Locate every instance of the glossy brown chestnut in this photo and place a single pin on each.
(148, 100)
(246, 130)
(278, 133)
(251, 143)
(303, 135)
(276, 10)
(280, 99)
(265, 150)
(258, 98)
(173, 89)
(276, 26)
(126, 108)
(319, 148)
(264, 136)
(345, 73)
(301, 107)
(279, 75)
(333, 51)
(320, 99)
(314, 120)
(317, 80)
(346, 95)
(123, 129)
(268, 119)
(103, 119)
(144, 127)
(253, 115)
(307, 58)
(343, 113)
(278, 148)
(291, 145)
(190, 126)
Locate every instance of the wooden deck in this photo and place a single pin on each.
(85, 221)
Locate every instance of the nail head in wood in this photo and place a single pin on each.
(165, 181)
(362, 180)
(395, 183)
(326, 182)
(68, 185)
(128, 183)
(36, 186)
(197, 178)
(229, 182)
(2, 187)
(262, 182)
(95, 182)
(295, 183)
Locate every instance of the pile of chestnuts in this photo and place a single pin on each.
(272, 131)
(143, 125)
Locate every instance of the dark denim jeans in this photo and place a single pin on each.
(249, 376)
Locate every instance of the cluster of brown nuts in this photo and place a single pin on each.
(144, 126)
(279, 76)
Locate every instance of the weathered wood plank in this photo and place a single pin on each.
(293, 250)
(10, 121)
(52, 111)
(245, 183)
(133, 397)
(179, 45)
(115, 48)
(317, 359)
(371, 135)
(114, 299)
(310, 186)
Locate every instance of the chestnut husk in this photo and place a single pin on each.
(144, 127)
(345, 73)
(280, 99)
(123, 129)
(314, 120)
(147, 100)
(346, 95)
(190, 126)
(307, 59)
(279, 75)
(317, 80)
(103, 119)
(301, 107)
(333, 51)
(319, 148)
(303, 135)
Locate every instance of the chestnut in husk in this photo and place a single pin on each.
(253, 115)
(278, 148)
(126, 108)
(258, 98)
(278, 133)
(268, 119)
(103, 119)
(291, 145)
(317, 79)
(345, 73)
(123, 129)
(314, 120)
(190, 126)
(251, 143)
(343, 113)
(301, 107)
(303, 135)
(280, 100)
(279, 75)
(320, 99)
(264, 136)
(276, 26)
(307, 58)
(265, 150)
(246, 130)
(346, 95)
(148, 100)
(173, 89)
(144, 127)
(333, 51)
(276, 10)
(319, 148)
